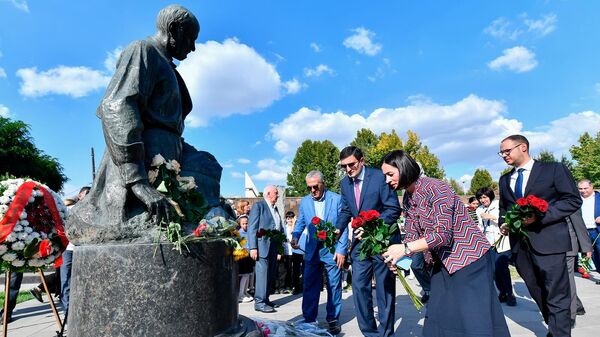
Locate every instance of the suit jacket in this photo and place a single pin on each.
(375, 194)
(554, 183)
(260, 218)
(580, 240)
(333, 206)
(596, 205)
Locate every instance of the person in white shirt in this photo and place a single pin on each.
(487, 215)
(590, 211)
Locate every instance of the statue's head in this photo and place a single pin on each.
(181, 29)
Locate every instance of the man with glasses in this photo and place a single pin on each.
(326, 205)
(540, 257)
(364, 189)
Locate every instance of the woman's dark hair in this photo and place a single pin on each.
(351, 151)
(487, 191)
(408, 169)
(471, 199)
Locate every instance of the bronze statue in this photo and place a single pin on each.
(142, 113)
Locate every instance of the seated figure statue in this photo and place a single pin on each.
(142, 113)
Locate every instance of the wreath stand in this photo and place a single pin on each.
(50, 301)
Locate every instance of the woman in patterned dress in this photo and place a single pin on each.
(463, 301)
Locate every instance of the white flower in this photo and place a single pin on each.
(9, 257)
(4, 200)
(28, 229)
(3, 249)
(158, 160)
(23, 215)
(12, 237)
(35, 263)
(31, 200)
(24, 223)
(186, 183)
(152, 175)
(28, 239)
(22, 236)
(17, 228)
(18, 263)
(43, 235)
(3, 209)
(19, 245)
(175, 166)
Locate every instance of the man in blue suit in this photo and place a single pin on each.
(264, 215)
(326, 205)
(363, 189)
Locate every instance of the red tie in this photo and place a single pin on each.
(357, 192)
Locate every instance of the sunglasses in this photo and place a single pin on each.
(314, 187)
(351, 166)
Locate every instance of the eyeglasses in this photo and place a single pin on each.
(351, 166)
(506, 152)
(314, 187)
(289, 217)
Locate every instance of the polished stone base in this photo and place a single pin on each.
(152, 290)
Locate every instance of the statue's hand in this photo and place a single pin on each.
(156, 203)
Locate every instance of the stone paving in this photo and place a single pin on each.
(34, 319)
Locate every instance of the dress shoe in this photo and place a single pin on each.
(8, 320)
(511, 301)
(37, 293)
(425, 298)
(334, 328)
(266, 309)
(271, 304)
(502, 298)
(580, 311)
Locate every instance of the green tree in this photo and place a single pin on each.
(429, 161)
(587, 158)
(366, 140)
(21, 158)
(481, 178)
(386, 144)
(458, 188)
(314, 155)
(546, 156)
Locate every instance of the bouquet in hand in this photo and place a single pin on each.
(585, 263)
(277, 238)
(525, 208)
(375, 240)
(325, 232)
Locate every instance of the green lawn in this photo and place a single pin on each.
(23, 296)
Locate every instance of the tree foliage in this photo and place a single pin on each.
(482, 178)
(314, 155)
(546, 156)
(366, 140)
(587, 158)
(458, 188)
(21, 158)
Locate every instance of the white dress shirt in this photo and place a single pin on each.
(526, 172)
(587, 211)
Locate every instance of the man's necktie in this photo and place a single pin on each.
(277, 218)
(357, 192)
(519, 183)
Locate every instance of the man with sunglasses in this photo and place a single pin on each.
(326, 205)
(364, 189)
(540, 257)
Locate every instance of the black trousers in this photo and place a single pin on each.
(547, 279)
(13, 291)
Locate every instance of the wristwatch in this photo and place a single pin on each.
(407, 250)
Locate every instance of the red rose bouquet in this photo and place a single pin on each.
(277, 238)
(525, 208)
(325, 232)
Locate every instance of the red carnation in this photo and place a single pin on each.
(322, 235)
(363, 214)
(316, 220)
(541, 205)
(261, 232)
(358, 222)
(201, 228)
(45, 248)
(522, 202)
(372, 215)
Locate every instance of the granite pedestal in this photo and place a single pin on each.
(152, 290)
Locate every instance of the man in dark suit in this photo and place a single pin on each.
(264, 215)
(364, 189)
(580, 243)
(540, 257)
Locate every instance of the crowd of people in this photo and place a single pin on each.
(458, 253)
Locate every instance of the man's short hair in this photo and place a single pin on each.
(518, 139)
(173, 13)
(585, 181)
(351, 151)
(315, 173)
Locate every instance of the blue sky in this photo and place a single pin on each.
(267, 75)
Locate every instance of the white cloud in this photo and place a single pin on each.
(293, 86)
(318, 71)
(465, 180)
(2, 73)
(62, 80)
(236, 174)
(272, 171)
(315, 47)
(466, 132)
(110, 62)
(228, 78)
(362, 42)
(4, 111)
(243, 161)
(518, 59)
(543, 26)
(20, 4)
(502, 28)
